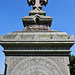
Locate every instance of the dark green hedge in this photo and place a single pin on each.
(72, 64)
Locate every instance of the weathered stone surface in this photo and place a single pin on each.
(37, 3)
(55, 37)
(37, 49)
(42, 35)
(20, 65)
(37, 53)
(72, 37)
(1, 37)
(38, 22)
(18, 37)
(37, 6)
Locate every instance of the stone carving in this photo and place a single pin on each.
(43, 36)
(37, 6)
(38, 66)
(37, 3)
(18, 37)
(37, 28)
(55, 37)
(36, 37)
(37, 21)
(72, 37)
(1, 37)
(11, 62)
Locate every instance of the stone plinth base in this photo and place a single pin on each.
(36, 65)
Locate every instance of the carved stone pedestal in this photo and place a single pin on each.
(37, 49)
(37, 53)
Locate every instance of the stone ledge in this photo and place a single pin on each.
(37, 36)
(36, 40)
(36, 50)
(37, 53)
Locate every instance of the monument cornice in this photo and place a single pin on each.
(49, 41)
(37, 52)
(37, 43)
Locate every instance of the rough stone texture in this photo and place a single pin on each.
(37, 6)
(22, 35)
(37, 22)
(37, 49)
(37, 53)
(21, 65)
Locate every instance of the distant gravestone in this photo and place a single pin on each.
(37, 49)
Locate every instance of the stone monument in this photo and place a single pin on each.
(37, 49)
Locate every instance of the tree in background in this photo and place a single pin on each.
(72, 64)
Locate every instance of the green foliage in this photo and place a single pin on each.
(72, 64)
